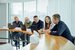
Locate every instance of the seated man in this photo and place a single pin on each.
(28, 24)
(37, 24)
(60, 28)
(17, 35)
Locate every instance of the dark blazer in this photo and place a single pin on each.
(61, 29)
(19, 24)
(15, 24)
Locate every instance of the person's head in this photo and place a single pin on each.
(56, 18)
(16, 18)
(47, 21)
(27, 19)
(36, 19)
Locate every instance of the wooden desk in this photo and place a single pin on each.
(6, 29)
(3, 29)
(14, 30)
(49, 42)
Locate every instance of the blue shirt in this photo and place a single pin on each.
(61, 29)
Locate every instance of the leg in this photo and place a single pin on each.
(22, 36)
(28, 38)
(16, 38)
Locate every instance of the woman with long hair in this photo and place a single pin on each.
(47, 22)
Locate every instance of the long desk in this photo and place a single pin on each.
(49, 42)
(12, 30)
(6, 29)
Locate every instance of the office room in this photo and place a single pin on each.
(37, 25)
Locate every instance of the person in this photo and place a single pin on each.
(37, 24)
(17, 35)
(60, 28)
(47, 22)
(28, 24)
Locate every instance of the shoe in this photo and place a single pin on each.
(23, 44)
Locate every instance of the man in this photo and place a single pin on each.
(28, 24)
(60, 28)
(37, 24)
(17, 35)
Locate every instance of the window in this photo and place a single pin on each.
(30, 9)
(16, 10)
(42, 8)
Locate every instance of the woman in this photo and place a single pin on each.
(47, 22)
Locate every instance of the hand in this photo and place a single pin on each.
(15, 30)
(48, 31)
(12, 30)
(44, 30)
(39, 31)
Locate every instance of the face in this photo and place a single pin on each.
(26, 19)
(47, 20)
(16, 19)
(55, 21)
(36, 19)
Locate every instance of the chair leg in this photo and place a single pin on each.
(16, 48)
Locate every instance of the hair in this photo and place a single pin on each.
(56, 16)
(15, 17)
(47, 23)
(35, 16)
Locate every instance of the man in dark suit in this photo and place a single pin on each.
(17, 35)
(60, 28)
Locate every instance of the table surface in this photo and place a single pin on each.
(11, 30)
(6, 29)
(49, 42)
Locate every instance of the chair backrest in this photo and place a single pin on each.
(74, 40)
(23, 27)
(11, 26)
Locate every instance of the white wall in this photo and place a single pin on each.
(73, 17)
(63, 7)
(3, 20)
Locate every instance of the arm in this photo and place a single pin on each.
(61, 28)
(54, 28)
(27, 32)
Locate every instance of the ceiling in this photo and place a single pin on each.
(9, 1)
